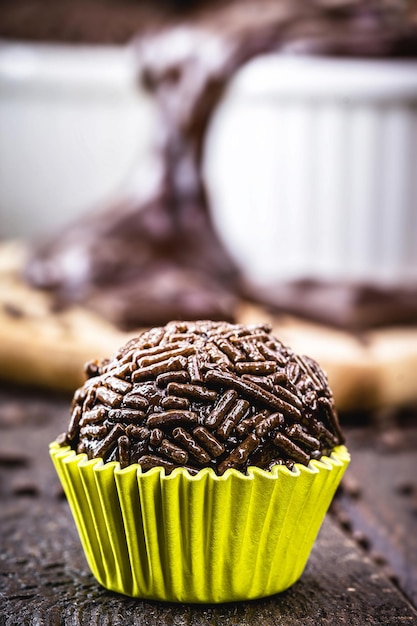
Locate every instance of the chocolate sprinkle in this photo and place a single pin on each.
(184, 438)
(229, 410)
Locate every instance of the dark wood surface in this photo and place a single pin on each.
(363, 568)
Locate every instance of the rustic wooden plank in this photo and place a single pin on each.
(44, 578)
(378, 501)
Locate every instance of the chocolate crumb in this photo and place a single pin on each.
(361, 539)
(378, 558)
(26, 488)
(406, 489)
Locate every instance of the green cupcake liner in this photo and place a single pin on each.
(202, 538)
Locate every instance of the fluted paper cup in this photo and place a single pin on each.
(202, 538)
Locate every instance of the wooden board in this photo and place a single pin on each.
(44, 578)
(378, 504)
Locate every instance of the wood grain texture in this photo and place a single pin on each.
(44, 578)
(379, 498)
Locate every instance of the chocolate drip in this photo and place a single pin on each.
(146, 262)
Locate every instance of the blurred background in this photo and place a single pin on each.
(235, 155)
(324, 148)
(74, 130)
(74, 124)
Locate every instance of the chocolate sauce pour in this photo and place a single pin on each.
(146, 262)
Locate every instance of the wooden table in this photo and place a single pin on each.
(363, 568)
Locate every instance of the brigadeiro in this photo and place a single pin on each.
(199, 463)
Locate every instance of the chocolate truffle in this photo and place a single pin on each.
(204, 394)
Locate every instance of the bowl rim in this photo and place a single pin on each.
(29, 65)
(298, 76)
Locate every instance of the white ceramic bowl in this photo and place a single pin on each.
(74, 126)
(309, 162)
(311, 169)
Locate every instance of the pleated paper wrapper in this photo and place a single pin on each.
(202, 538)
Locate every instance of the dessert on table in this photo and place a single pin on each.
(199, 462)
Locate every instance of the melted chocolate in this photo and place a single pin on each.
(144, 264)
(353, 306)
